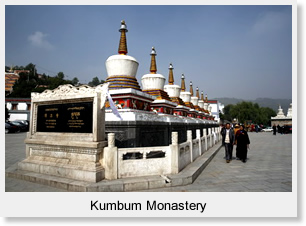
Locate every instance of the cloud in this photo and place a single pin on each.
(39, 39)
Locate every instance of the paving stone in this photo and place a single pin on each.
(268, 169)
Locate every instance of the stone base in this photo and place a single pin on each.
(79, 162)
(190, 105)
(178, 101)
(187, 176)
(62, 171)
(160, 94)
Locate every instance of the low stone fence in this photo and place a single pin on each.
(161, 160)
(143, 161)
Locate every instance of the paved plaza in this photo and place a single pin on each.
(268, 169)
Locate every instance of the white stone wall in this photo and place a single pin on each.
(195, 149)
(144, 166)
(184, 155)
(177, 156)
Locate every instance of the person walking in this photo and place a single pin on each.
(222, 130)
(243, 143)
(256, 128)
(228, 139)
(236, 129)
(274, 129)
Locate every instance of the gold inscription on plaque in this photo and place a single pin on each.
(50, 122)
(75, 123)
(75, 115)
(76, 108)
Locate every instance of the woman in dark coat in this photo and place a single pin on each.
(243, 142)
(274, 129)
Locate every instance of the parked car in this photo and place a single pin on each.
(21, 125)
(268, 129)
(26, 122)
(11, 128)
(287, 129)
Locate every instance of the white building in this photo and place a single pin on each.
(281, 119)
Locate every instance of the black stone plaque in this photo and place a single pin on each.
(65, 118)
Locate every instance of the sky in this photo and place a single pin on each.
(227, 51)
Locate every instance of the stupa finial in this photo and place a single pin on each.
(122, 44)
(202, 96)
(197, 93)
(191, 89)
(206, 99)
(171, 79)
(183, 87)
(153, 68)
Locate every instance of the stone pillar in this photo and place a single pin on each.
(189, 139)
(111, 158)
(213, 134)
(210, 137)
(174, 147)
(198, 133)
(189, 135)
(111, 140)
(174, 138)
(199, 139)
(205, 138)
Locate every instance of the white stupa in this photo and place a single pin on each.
(153, 81)
(121, 68)
(172, 89)
(185, 95)
(206, 103)
(281, 119)
(201, 101)
(194, 99)
(289, 113)
(280, 113)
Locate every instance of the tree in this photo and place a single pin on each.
(61, 75)
(75, 81)
(248, 111)
(30, 82)
(227, 116)
(95, 81)
(31, 68)
(266, 114)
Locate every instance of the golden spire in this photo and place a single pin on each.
(183, 88)
(171, 79)
(153, 67)
(122, 44)
(206, 99)
(198, 95)
(191, 89)
(202, 96)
